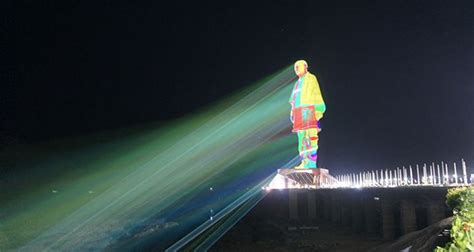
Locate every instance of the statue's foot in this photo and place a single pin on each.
(300, 166)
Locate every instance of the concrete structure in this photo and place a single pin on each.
(301, 178)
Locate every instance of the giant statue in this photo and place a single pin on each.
(307, 108)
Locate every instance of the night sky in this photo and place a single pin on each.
(397, 76)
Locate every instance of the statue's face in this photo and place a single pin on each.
(300, 69)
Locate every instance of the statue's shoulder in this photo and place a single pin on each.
(310, 77)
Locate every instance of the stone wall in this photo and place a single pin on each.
(386, 213)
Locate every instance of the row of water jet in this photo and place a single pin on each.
(434, 174)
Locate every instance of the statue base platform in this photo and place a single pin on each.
(301, 178)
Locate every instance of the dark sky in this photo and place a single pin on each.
(397, 76)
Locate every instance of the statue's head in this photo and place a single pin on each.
(301, 67)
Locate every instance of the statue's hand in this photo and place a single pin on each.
(319, 115)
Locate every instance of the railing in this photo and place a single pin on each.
(439, 174)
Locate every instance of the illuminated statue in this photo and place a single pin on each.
(307, 108)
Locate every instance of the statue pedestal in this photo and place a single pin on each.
(301, 178)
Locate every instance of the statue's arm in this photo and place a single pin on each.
(317, 97)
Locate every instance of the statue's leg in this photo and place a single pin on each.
(304, 147)
(312, 149)
(301, 148)
(301, 142)
(308, 148)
